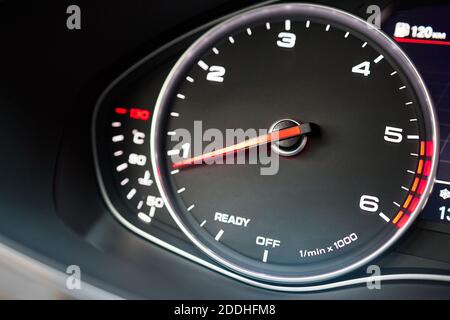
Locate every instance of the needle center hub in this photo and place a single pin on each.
(291, 146)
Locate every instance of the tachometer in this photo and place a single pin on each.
(333, 143)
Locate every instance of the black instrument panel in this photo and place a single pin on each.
(123, 117)
(63, 202)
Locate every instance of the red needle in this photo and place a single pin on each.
(253, 142)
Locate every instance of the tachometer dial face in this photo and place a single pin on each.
(347, 126)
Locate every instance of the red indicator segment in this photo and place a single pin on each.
(413, 204)
(422, 186)
(423, 41)
(121, 111)
(427, 168)
(402, 221)
(430, 148)
(418, 186)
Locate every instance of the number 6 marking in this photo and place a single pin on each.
(369, 203)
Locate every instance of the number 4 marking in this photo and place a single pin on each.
(362, 68)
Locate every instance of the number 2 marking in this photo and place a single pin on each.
(216, 74)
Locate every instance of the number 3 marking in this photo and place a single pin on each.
(286, 40)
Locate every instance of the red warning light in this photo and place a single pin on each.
(139, 114)
(121, 111)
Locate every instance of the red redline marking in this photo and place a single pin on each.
(427, 168)
(422, 185)
(430, 148)
(424, 168)
(402, 221)
(422, 41)
(413, 204)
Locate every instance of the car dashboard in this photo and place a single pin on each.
(342, 191)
